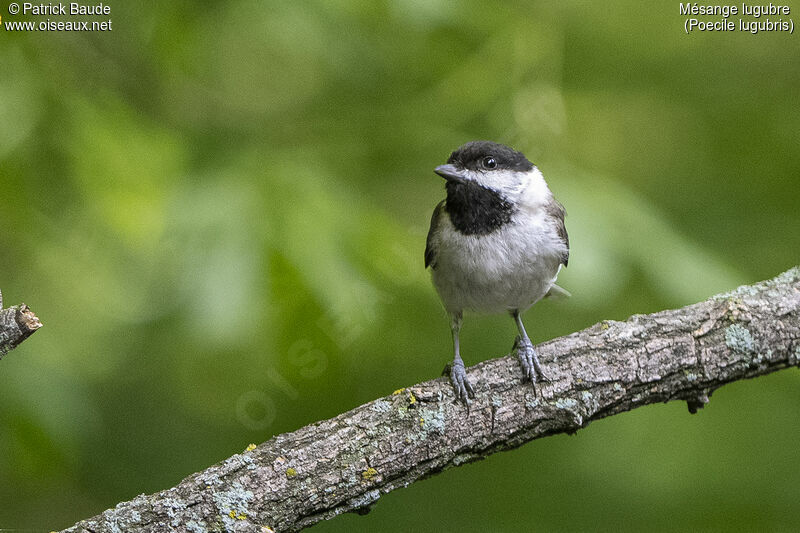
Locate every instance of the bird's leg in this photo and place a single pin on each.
(458, 374)
(526, 353)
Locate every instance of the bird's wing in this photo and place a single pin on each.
(557, 212)
(430, 248)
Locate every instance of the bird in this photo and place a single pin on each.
(496, 244)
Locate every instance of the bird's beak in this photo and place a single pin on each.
(450, 172)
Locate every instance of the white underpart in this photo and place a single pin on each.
(510, 268)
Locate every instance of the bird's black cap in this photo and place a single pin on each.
(471, 155)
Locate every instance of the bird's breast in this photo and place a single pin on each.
(509, 268)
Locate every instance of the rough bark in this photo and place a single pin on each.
(16, 324)
(346, 463)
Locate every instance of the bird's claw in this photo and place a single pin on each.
(531, 368)
(461, 385)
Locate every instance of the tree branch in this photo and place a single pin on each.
(16, 324)
(346, 463)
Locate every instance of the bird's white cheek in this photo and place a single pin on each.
(508, 183)
(536, 192)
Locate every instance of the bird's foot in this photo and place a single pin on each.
(461, 385)
(531, 368)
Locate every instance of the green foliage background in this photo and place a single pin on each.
(219, 212)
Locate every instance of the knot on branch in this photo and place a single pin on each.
(696, 403)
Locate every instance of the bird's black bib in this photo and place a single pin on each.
(476, 210)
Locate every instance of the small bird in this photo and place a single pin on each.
(496, 244)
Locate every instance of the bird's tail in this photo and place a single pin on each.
(557, 292)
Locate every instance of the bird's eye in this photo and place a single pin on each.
(489, 162)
